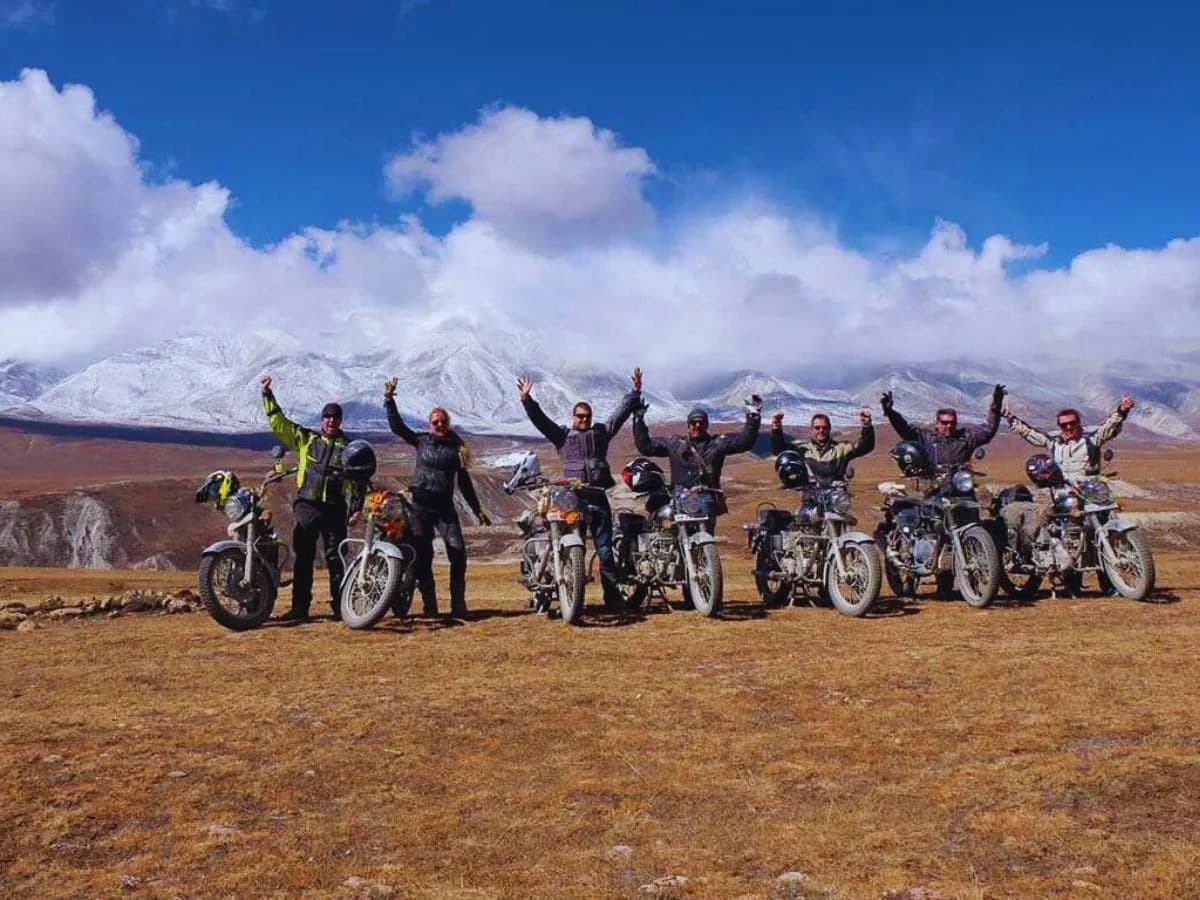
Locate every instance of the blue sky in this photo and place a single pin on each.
(1047, 123)
(1019, 178)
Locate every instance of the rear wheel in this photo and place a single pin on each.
(570, 588)
(855, 590)
(773, 588)
(980, 578)
(236, 606)
(363, 605)
(1131, 566)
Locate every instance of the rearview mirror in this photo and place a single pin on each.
(980, 453)
(849, 473)
(1108, 454)
(277, 452)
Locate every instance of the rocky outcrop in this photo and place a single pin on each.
(74, 532)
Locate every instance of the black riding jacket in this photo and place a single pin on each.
(699, 461)
(438, 464)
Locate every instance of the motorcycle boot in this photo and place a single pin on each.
(428, 591)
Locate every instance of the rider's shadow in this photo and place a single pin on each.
(744, 612)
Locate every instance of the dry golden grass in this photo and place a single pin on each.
(1022, 751)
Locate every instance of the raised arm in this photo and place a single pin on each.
(979, 435)
(284, 428)
(397, 424)
(554, 433)
(866, 438)
(780, 441)
(743, 441)
(646, 445)
(1112, 426)
(630, 402)
(906, 431)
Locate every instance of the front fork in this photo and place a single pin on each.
(366, 555)
(249, 572)
(835, 549)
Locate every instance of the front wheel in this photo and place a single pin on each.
(705, 580)
(571, 585)
(363, 605)
(855, 590)
(1020, 585)
(1131, 566)
(979, 579)
(237, 606)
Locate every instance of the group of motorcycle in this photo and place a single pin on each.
(240, 576)
(932, 527)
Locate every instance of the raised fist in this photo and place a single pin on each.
(754, 404)
(864, 416)
(265, 381)
(777, 421)
(1127, 403)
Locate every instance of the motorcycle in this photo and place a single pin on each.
(240, 576)
(1084, 534)
(552, 555)
(672, 545)
(939, 534)
(381, 576)
(813, 549)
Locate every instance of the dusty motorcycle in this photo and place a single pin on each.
(1083, 533)
(672, 545)
(240, 576)
(939, 533)
(813, 550)
(382, 574)
(552, 555)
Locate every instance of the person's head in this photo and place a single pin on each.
(946, 422)
(1069, 423)
(581, 416)
(697, 423)
(331, 419)
(820, 428)
(439, 422)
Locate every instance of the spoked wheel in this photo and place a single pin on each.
(365, 604)
(1131, 566)
(234, 605)
(570, 589)
(899, 583)
(854, 591)
(705, 580)
(980, 579)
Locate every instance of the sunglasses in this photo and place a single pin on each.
(820, 428)
(947, 421)
(1074, 423)
(439, 421)
(331, 416)
(583, 415)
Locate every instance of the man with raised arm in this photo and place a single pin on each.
(946, 444)
(583, 447)
(826, 458)
(320, 508)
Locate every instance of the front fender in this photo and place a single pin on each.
(570, 540)
(700, 538)
(855, 537)
(222, 546)
(1118, 525)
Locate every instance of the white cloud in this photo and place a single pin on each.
(96, 259)
(25, 13)
(538, 180)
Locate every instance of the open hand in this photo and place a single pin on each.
(636, 378)
(864, 416)
(389, 389)
(524, 386)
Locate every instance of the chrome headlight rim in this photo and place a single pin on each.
(838, 501)
(963, 481)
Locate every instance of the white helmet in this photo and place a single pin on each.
(529, 468)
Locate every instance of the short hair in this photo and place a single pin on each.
(582, 405)
(822, 417)
(947, 411)
(1069, 411)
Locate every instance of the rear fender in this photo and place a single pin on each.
(701, 537)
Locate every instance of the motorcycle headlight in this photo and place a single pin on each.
(1095, 492)
(237, 506)
(963, 481)
(839, 501)
(1066, 501)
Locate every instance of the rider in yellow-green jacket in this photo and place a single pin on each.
(320, 509)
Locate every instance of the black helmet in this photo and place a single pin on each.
(910, 458)
(792, 469)
(358, 461)
(643, 476)
(1043, 470)
(218, 487)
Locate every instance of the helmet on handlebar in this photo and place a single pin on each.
(911, 458)
(218, 487)
(358, 461)
(528, 467)
(643, 476)
(792, 469)
(1043, 470)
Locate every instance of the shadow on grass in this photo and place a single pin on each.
(1163, 596)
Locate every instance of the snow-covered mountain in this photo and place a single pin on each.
(210, 382)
